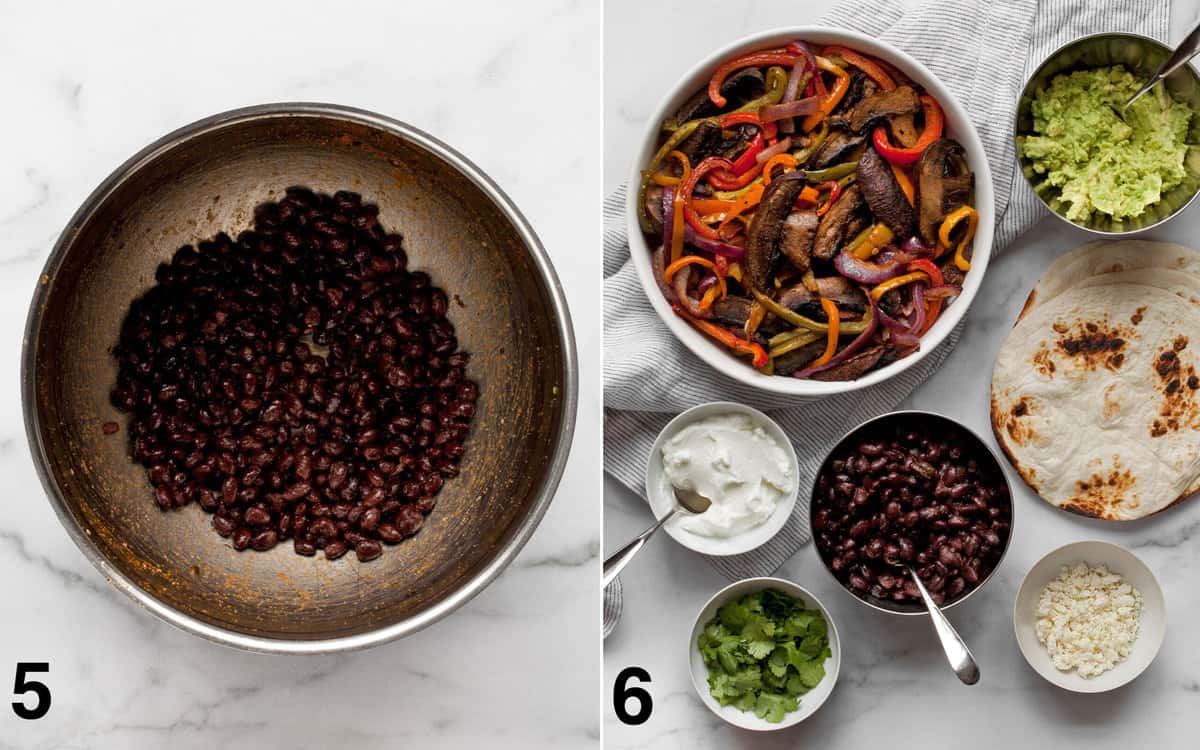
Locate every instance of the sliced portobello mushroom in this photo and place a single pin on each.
(799, 298)
(798, 359)
(704, 141)
(860, 88)
(739, 88)
(836, 148)
(796, 240)
(884, 104)
(854, 367)
(732, 310)
(654, 208)
(944, 183)
(883, 194)
(766, 228)
(840, 224)
(904, 130)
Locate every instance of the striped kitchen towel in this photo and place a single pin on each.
(983, 51)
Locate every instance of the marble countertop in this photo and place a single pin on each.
(88, 85)
(894, 677)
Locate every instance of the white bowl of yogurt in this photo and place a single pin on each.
(737, 457)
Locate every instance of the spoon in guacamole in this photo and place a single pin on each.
(1186, 50)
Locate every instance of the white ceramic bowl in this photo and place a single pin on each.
(661, 496)
(1151, 631)
(809, 702)
(958, 126)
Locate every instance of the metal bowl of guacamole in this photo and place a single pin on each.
(1094, 163)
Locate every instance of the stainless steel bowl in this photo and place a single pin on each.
(1142, 56)
(948, 425)
(457, 225)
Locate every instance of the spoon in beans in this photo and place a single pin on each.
(957, 653)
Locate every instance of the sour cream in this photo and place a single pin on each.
(734, 462)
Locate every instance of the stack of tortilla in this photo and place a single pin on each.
(1096, 394)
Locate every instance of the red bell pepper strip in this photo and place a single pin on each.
(935, 278)
(769, 57)
(903, 157)
(863, 63)
(688, 185)
(728, 338)
(835, 189)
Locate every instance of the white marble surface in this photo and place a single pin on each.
(895, 688)
(85, 86)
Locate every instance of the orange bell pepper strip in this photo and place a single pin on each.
(809, 196)
(778, 56)
(835, 190)
(863, 63)
(948, 225)
(712, 205)
(728, 338)
(934, 124)
(787, 160)
(749, 199)
(696, 260)
(840, 86)
(906, 184)
(882, 289)
(678, 206)
(831, 312)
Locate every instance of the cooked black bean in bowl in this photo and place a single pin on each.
(911, 489)
(299, 382)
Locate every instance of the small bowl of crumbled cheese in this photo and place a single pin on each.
(1090, 617)
(737, 457)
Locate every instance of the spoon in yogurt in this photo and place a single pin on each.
(685, 500)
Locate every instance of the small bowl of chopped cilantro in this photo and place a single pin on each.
(1103, 166)
(764, 654)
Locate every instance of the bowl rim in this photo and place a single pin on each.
(759, 583)
(1059, 682)
(783, 510)
(966, 133)
(1000, 464)
(1016, 127)
(554, 468)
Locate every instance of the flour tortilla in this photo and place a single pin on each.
(1103, 257)
(1096, 400)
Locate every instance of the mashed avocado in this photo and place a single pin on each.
(1098, 160)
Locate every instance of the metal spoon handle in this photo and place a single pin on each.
(1186, 50)
(957, 653)
(617, 561)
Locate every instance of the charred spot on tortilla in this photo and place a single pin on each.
(1021, 408)
(1137, 315)
(1094, 344)
(1027, 306)
(1100, 495)
(1179, 407)
(1043, 362)
(1019, 431)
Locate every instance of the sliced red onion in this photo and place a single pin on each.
(773, 112)
(797, 79)
(855, 346)
(658, 263)
(706, 283)
(709, 245)
(865, 272)
(918, 312)
(693, 306)
(783, 145)
(917, 248)
(898, 332)
(798, 47)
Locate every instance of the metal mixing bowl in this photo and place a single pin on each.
(457, 225)
(947, 427)
(1142, 56)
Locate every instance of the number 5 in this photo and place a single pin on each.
(22, 685)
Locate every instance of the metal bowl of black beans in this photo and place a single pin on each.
(911, 489)
(299, 378)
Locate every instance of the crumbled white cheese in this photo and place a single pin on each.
(1087, 619)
